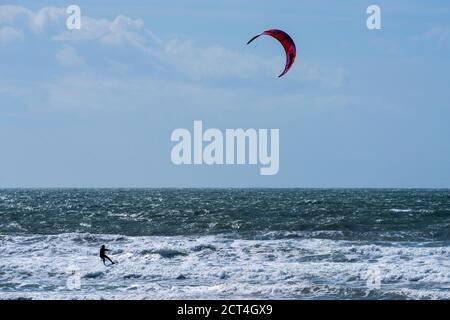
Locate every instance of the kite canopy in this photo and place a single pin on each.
(287, 43)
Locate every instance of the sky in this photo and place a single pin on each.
(96, 107)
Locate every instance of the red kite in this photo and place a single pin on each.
(287, 43)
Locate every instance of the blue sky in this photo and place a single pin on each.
(96, 107)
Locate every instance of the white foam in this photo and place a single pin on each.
(218, 267)
(400, 210)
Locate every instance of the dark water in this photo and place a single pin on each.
(337, 214)
(225, 243)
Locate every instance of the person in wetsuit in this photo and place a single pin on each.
(103, 256)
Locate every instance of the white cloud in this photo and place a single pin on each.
(212, 62)
(86, 93)
(195, 62)
(121, 30)
(336, 101)
(8, 34)
(193, 68)
(184, 57)
(37, 21)
(8, 13)
(440, 34)
(47, 16)
(68, 57)
(330, 77)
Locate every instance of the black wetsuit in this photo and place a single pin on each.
(103, 256)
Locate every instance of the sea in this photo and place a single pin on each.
(225, 243)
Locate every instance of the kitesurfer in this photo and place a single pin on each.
(103, 256)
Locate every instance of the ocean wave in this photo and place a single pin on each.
(94, 275)
(214, 267)
(400, 210)
(338, 214)
(165, 253)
